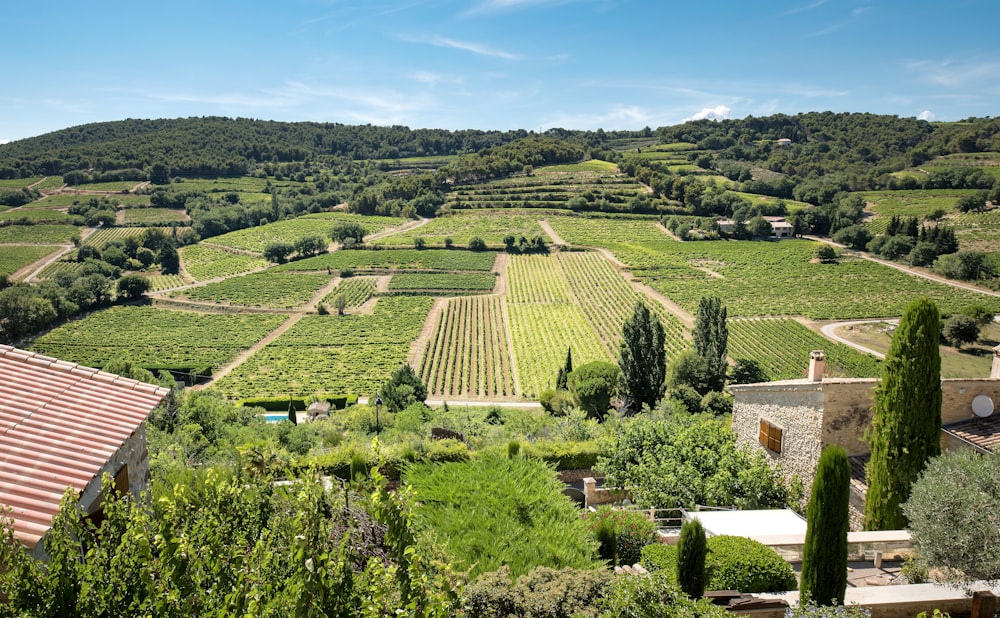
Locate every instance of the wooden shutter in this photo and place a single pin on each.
(770, 436)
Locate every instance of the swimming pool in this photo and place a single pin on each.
(275, 417)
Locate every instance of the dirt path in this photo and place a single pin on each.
(473, 403)
(410, 225)
(32, 270)
(556, 238)
(906, 269)
(682, 314)
(667, 231)
(245, 354)
(419, 345)
(829, 331)
(382, 283)
(500, 268)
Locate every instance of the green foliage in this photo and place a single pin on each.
(592, 385)
(691, 551)
(477, 244)
(266, 289)
(440, 283)
(540, 593)
(653, 596)
(948, 514)
(360, 261)
(632, 531)
(826, 254)
(824, 557)
(686, 460)
(711, 340)
(278, 252)
(607, 540)
(960, 329)
(493, 511)
(403, 389)
(810, 610)
(642, 360)
(906, 422)
(732, 563)
(556, 402)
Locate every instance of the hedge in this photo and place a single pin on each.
(280, 404)
(564, 455)
(733, 563)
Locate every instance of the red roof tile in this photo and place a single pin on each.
(59, 425)
(981, 432)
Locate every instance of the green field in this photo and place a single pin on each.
(264, 289)
(17, 183)
(69, 199)
(332, 353)
(592, 165)
(781, 349)
(290, 230)
(467, 356)
(43, 234)
(105, 235)
(439, 284)
(152, 337)
(40, 215)
(461, 227)
(544, 321)
(204, 263)
(115, 186)
(355, 290)
(753, 198)
(154, 216)
(13, 259)
(761, 278)
(396, 259)
(918, 204)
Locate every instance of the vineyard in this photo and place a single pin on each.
(103, 236)
(356, 291)
(440, 284)
(265, 289)
(461, 227)
(38, 234)
(151, 337)
(467, 356)
(551, 187)
(40, 215)
(164, 282)
(204, 263)
(290, 230)
(13, 259)
(607, 300)
(395, 259)
(544, 321)
(781, 349)
(332, 353)
(154, 216)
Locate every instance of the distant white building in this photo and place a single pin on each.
(783, 142)
(780, 228)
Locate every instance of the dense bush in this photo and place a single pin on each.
(633, 530)
(564, 455)
(494, 511)
(539, 593)
(653, 596)
(733, 563)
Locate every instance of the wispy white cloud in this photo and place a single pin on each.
(719, 112)
(855, 15)
(617, 117)
(927, 115)
(803, 8)
(953, 73)
(475, 48)
(433, 79)
(494, 6)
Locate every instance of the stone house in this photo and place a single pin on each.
(64, 426)
(792, 421)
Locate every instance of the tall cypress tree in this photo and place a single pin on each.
(711, 339)
(824, 558)
(692, 548)
(906, 423)
(642, 359)
(565, 370)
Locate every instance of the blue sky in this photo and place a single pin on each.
(493, 64)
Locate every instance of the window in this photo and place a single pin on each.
(770, 436)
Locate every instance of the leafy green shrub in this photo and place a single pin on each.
(607, 540)
(513, 449)
(738, 563)
(447, 450)
(539, 593)
(492, 511)
(653, 596)
(732, 563)
(633, 531)
(564, 455)
(556, 402)
(280, 404)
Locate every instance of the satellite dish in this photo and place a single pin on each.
(982, 406)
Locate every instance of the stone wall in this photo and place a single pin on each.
(797, 408)
(847, 413)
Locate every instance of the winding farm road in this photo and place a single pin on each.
(829, 331)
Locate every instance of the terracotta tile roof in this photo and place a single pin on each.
(981, 432)
(59, 424)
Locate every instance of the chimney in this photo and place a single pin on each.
(995, 370)
(817, 365)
